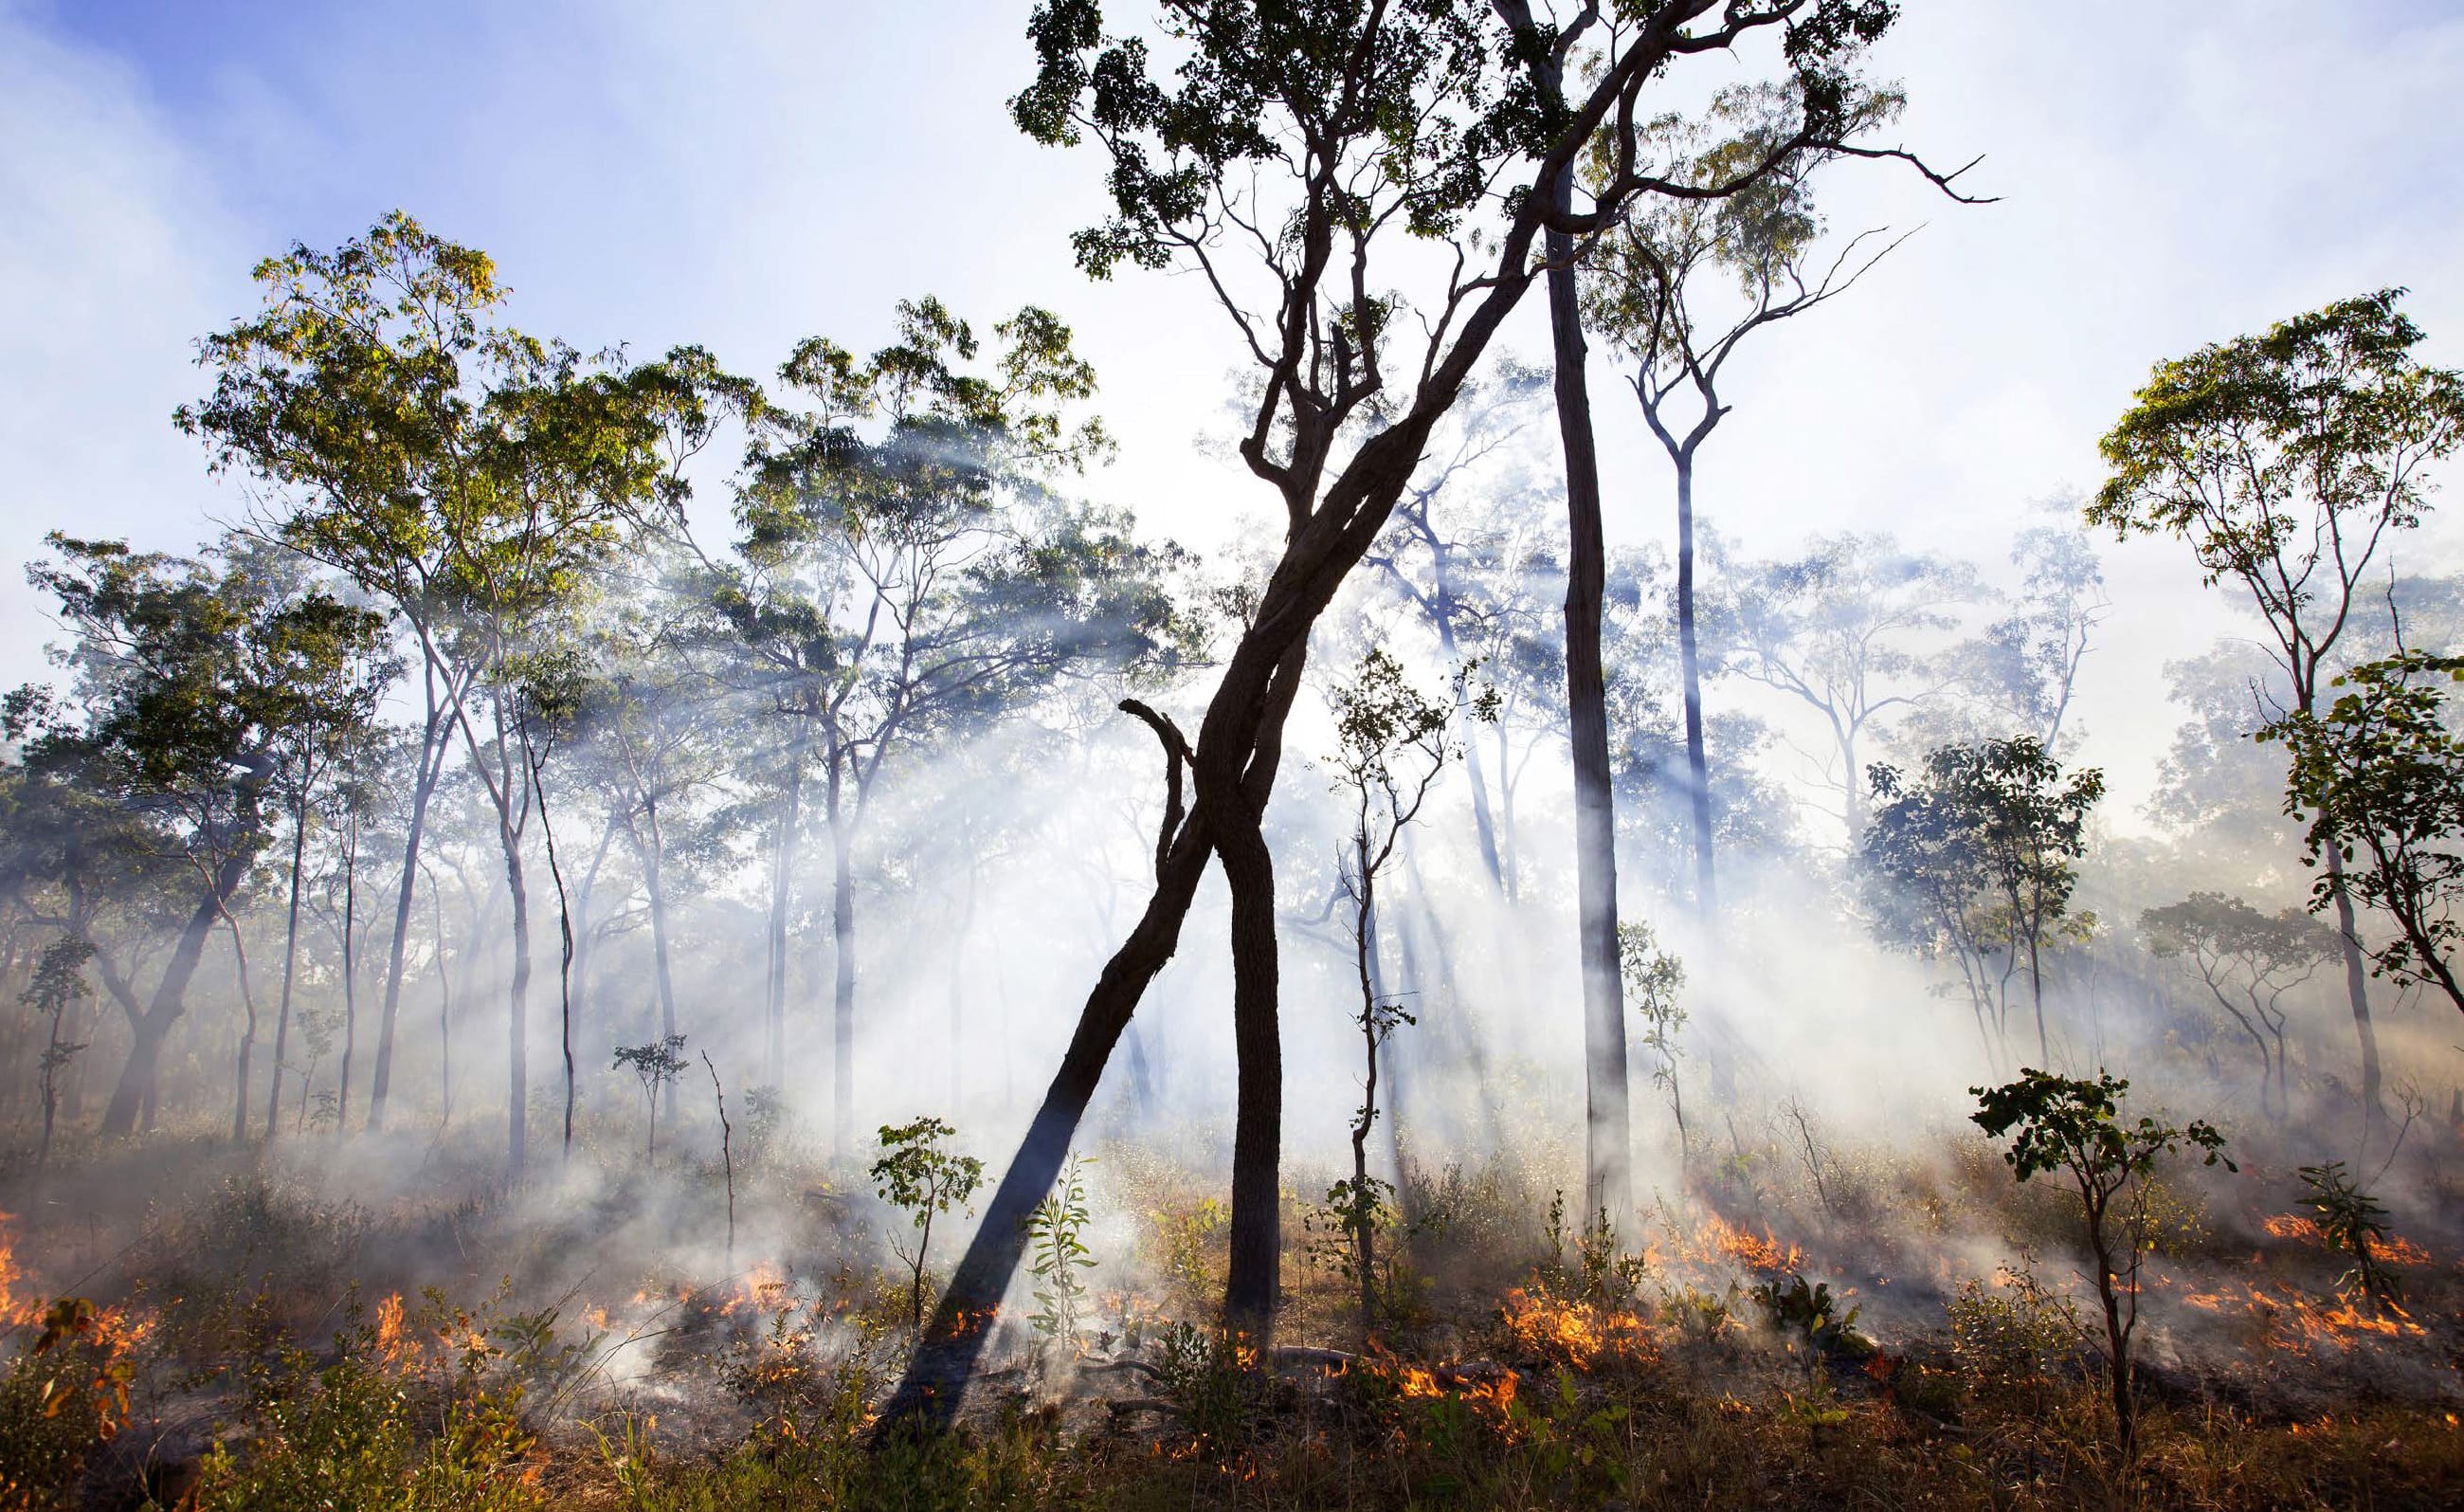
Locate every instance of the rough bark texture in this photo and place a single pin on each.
(1607, 1158)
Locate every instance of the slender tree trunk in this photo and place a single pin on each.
(842, 986)
(2036, 995)
(1689, 661)
(290, 966)
(350, 971)
(2357, 991)
(1364, 942)
(958, 977)
(518, 1024)
(1607, 1120)
(432, 749)
(565, 941)
(653, 855)
(783, 877)
(248, 1034)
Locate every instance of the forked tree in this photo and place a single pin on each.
(1298, 159)
(1677, 288)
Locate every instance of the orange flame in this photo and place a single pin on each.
(1574, 1333)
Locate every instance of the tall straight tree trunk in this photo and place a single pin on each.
(247, 1035)
(1483, 824)
(350, 971)
(1607, 1159)
(517, 1017)
(2357, 991)
(843, 965)
(782, 876)
(1689, 661)
(289, 968)
(957, 946)
(432, 748)
(652, 854)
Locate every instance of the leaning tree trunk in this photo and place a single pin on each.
(149, 1031)
(433, 746)
(1254, 1275)
(1606, 1157)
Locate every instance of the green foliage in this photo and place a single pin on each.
(2380, 777)
(1653, 979)
(922, 1176)
(1056, 1253)
(2068, 1127)
(1811, 1313)
(2063, 1125)
(1214, 1382)
(2006, 1336)
(1980, 855)
(2285, 457)
(63, 1395)
(654, 1065)
(2352, 1221)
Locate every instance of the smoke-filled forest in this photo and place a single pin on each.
(850, 911)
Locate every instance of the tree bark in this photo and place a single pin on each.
(2356, 990)
(783, 877)
(431, 766)
(147, 1032)
(1607, 1158)
(289, 968)
(1689, 661)
(350, 975)
(842, 983)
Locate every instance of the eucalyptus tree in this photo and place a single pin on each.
(2285, 461)
(659, 729)
(172, 738)
(1843, 629)
(1466, 568)
(2248, 959)
(1802, 122)
(467, 476)
(1658, 290)
(1297, 160)
(1986, 841)
(899, 582)
(2027, 664)
(329, 665)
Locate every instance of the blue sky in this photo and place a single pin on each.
(745, 173)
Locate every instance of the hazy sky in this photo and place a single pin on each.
(743, 174)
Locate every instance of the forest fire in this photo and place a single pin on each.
(1571, 1332)
(2287, 1318)
(638, 876)
(1716, 1239)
